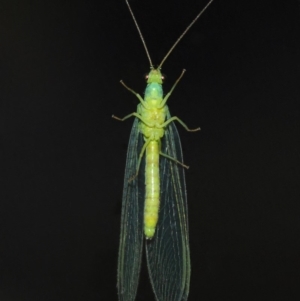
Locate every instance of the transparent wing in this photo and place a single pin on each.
(131, 238)
(168, 254)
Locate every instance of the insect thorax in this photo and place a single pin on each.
(152, 113)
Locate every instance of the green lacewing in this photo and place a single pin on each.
(154, 204)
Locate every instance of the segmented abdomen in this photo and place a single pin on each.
(152, 189)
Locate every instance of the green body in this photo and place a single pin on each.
(152, 112)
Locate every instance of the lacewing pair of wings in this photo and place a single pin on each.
(168, 255)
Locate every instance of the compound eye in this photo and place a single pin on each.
(146, 76)
(163, 77)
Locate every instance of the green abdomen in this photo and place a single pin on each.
(152, 189)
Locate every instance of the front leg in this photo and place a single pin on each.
(135, 93)
(170, 92)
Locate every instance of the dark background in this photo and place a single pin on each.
(63, 157)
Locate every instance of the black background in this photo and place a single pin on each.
(63, 156)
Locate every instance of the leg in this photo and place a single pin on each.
(170, 92)
(132, 91)
(181, 122)
(127, 116)
(131, 115)
(140, 160)
(173, 159)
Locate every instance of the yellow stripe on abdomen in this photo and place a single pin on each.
(152, 189)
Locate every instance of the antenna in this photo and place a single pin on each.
(140, 33)
(183, 34)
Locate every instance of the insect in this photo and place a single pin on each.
(154, 203)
